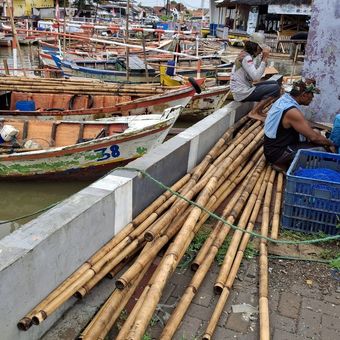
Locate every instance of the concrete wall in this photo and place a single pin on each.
(322, 58)
(40, 255)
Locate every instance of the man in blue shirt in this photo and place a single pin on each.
(285, 123)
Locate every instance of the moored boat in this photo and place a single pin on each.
(78, 150)
(68, 102)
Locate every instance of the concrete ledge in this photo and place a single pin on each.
(45, 251)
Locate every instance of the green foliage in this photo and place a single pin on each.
(298, 236)
(194, 247)
(249, 252)
(336, 263)
(147, 336)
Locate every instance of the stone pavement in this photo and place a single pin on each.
(297, 311)
(304, 304)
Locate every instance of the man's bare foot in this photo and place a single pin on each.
(257, 116)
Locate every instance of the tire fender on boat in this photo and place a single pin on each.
(195, 85)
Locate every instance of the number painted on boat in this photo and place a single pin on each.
(110, 152)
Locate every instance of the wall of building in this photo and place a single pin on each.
(322, 58)
(37, 257)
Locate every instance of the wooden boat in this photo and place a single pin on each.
(80, 150)
(114, 70)
(82, 105)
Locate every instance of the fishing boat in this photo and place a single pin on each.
(34, 149)
(113, 70)
(71, 99)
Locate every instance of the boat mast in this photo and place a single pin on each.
(15, 41)
(126, 39)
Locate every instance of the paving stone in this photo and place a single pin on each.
(188, 328)
(274, 298)
(205, 293)
(278, 321)
(309, 324)
(280, 334)
(333, 297)
(181, 278)
(168, 292)
(328, 321)
(321, 306)
(222, 333)
(329, 334)
(306, 291)
(247, 297)
(203, 313)
(252, 273)
(289, 305)
(236, 322)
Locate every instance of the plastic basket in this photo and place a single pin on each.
(312, 205)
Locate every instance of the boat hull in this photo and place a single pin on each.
(86, 160)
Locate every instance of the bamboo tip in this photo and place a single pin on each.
(206, 337)
(149, 236)
(121, 283)
(80, 293)
(218, 288)
(25, 323)
(194, 266)
(39, 317)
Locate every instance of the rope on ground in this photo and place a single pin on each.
(29, 215)
(212, 214)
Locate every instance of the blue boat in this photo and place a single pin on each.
(113, 70)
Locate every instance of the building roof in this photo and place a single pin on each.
(265, 2)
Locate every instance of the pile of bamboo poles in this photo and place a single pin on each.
(234, 171)
(52, 85)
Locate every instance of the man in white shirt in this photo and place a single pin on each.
(245, 71)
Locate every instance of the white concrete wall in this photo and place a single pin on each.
(323, 58)
(45, 251)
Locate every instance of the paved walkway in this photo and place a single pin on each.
(304, 304)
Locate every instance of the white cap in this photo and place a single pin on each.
(259, 38)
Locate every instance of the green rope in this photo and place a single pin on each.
(29, 215)
(324, 239)
(296, 258)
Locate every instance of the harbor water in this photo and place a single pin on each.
(25, 198)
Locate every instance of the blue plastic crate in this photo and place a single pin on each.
(312, 205)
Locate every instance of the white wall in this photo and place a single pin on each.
(323, 58)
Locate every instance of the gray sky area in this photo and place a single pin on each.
(187, 3)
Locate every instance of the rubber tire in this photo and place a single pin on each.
(55, 109)
(194, 84)
(89, 105)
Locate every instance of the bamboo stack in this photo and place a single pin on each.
(107, 258)
(186, 233)
(237, 262)
(52, 85)
(234, 171)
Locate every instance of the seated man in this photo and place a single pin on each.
(285, 122)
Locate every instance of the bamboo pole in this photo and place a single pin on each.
(263, 261)
(128, 233)
(108, 314)
(237, 262)
(154, 294)
(240, 175)
(191, 188)
(234, 151)
(277, 207)
(232, 250)
(200, 274)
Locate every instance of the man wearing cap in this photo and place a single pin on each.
(245, 72)
(285, 122)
